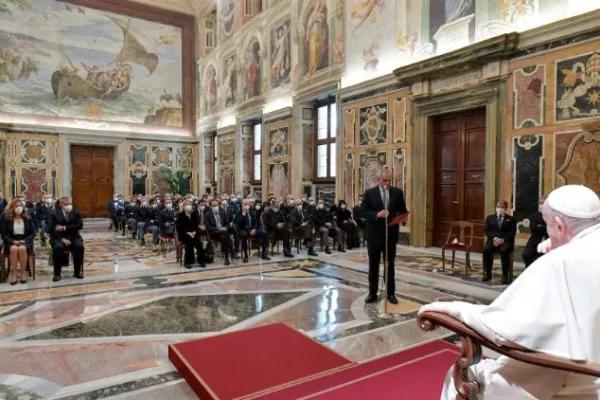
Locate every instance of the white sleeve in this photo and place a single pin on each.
(470, 315)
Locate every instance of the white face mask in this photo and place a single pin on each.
(215, 209)
(299, 207)
(343, 206)
(224, 203)
(321, 206)
(312, 203)
(257, 206)
(49, 201)
(68, 208)
(145, 204)
(19, 210)
(188, 207)
(154, 205)
(500, 211)
(169, 206)
(202, 208)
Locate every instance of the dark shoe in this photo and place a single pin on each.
(327, 251)
(142, 242)
(265, 257)
(56, 278)
(227, 261)
(486, 278)
(13, 283)
(78, 275)
(23, 281)
(372, 298)
(288, 254)
(341, 250)
(392, 299)
(188, 266)
(245, 259)
(504, 281)
(202, 265)
(311, 252)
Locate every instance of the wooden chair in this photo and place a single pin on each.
(471, 343)
(5, 265)
(460, 237)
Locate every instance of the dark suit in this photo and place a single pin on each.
(375, 232)
(73, 224)
(538, 234)
(166, 221)
(187, 224)
(272, 218)
(505, 229)
(215, 233)
(146, 218)
(245, 225)
(298, 217)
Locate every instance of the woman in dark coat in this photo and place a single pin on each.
(346, 223)
(18, 234)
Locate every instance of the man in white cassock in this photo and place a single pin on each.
(553, 307)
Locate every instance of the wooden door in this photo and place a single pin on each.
(92, 179)
(459, 141)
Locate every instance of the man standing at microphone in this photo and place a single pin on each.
(380, 205)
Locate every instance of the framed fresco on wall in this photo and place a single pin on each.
(98, 62)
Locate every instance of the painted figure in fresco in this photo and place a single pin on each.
(373, 128)
(230, 82)
(253, 71)
(366, 10)
(513, 10)
(278, 143)
(279, 181)
(280, 65)
(211, 95)
(581, 89)
(456, 9)
(317, 32)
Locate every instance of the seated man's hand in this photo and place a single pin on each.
(66, 242)
(253, 232)
(223, 230)
(498, 242)
(191, 234)
(60, 228)
(444, 307)
(304, 224)
(202, 227)
(328, 225)
(280, 225)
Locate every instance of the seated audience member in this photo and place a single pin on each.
(248, 226)
(258, 210)
(116, 209)
(538, 235)
(18, 235)
(360, 222)
(3, 203)
(323, 223)
(64, 227)
(552, 308)
(302, 226)
(131, 210)
(276, 226)
(187, 231)
(43, 209)
(500, 231)
(347, 224)
(166, 219)
(146, 219)
(217, 224)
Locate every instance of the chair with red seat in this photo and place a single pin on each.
(460, 237)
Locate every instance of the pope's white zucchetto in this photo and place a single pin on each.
(576, 201)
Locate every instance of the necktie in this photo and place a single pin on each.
(385, 199)
(249, 222)
(301, 215)
(499, 222)
(218, 219)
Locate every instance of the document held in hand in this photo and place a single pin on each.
(399, 219)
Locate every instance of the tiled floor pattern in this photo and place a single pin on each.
(107, 336)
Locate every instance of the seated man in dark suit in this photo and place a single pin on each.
(538, 235)
(248, 225)
(276, 225)
(147, 219)
(64, 226)
(500, 231)
(323, 223)
(301, 224)
(218, 224)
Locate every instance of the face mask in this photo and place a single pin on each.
(154, 205)
(202, 208)
(188, 207)
(169, 206)
(500, 211)
(139, 199)
(224, 203)
(312, 203)
(299, 207)
(321, 206)
(343, 206)
(145, 204)
(234, 200)
(359, 202)
(215, 209)
(49, 201)
(157, 201)
(68, 208)
(304, 200)
(19, 210)
(257, 206)
(540, 207)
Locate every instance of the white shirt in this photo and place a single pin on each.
(18, 227)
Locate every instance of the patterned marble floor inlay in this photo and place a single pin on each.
(107, 336)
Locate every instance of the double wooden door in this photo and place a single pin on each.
(92, 179)
(459, 174)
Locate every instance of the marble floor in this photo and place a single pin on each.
(106, 337)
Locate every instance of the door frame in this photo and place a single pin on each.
(118, 144)
(424, 109)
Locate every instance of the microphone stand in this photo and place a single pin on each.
(383, 305)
